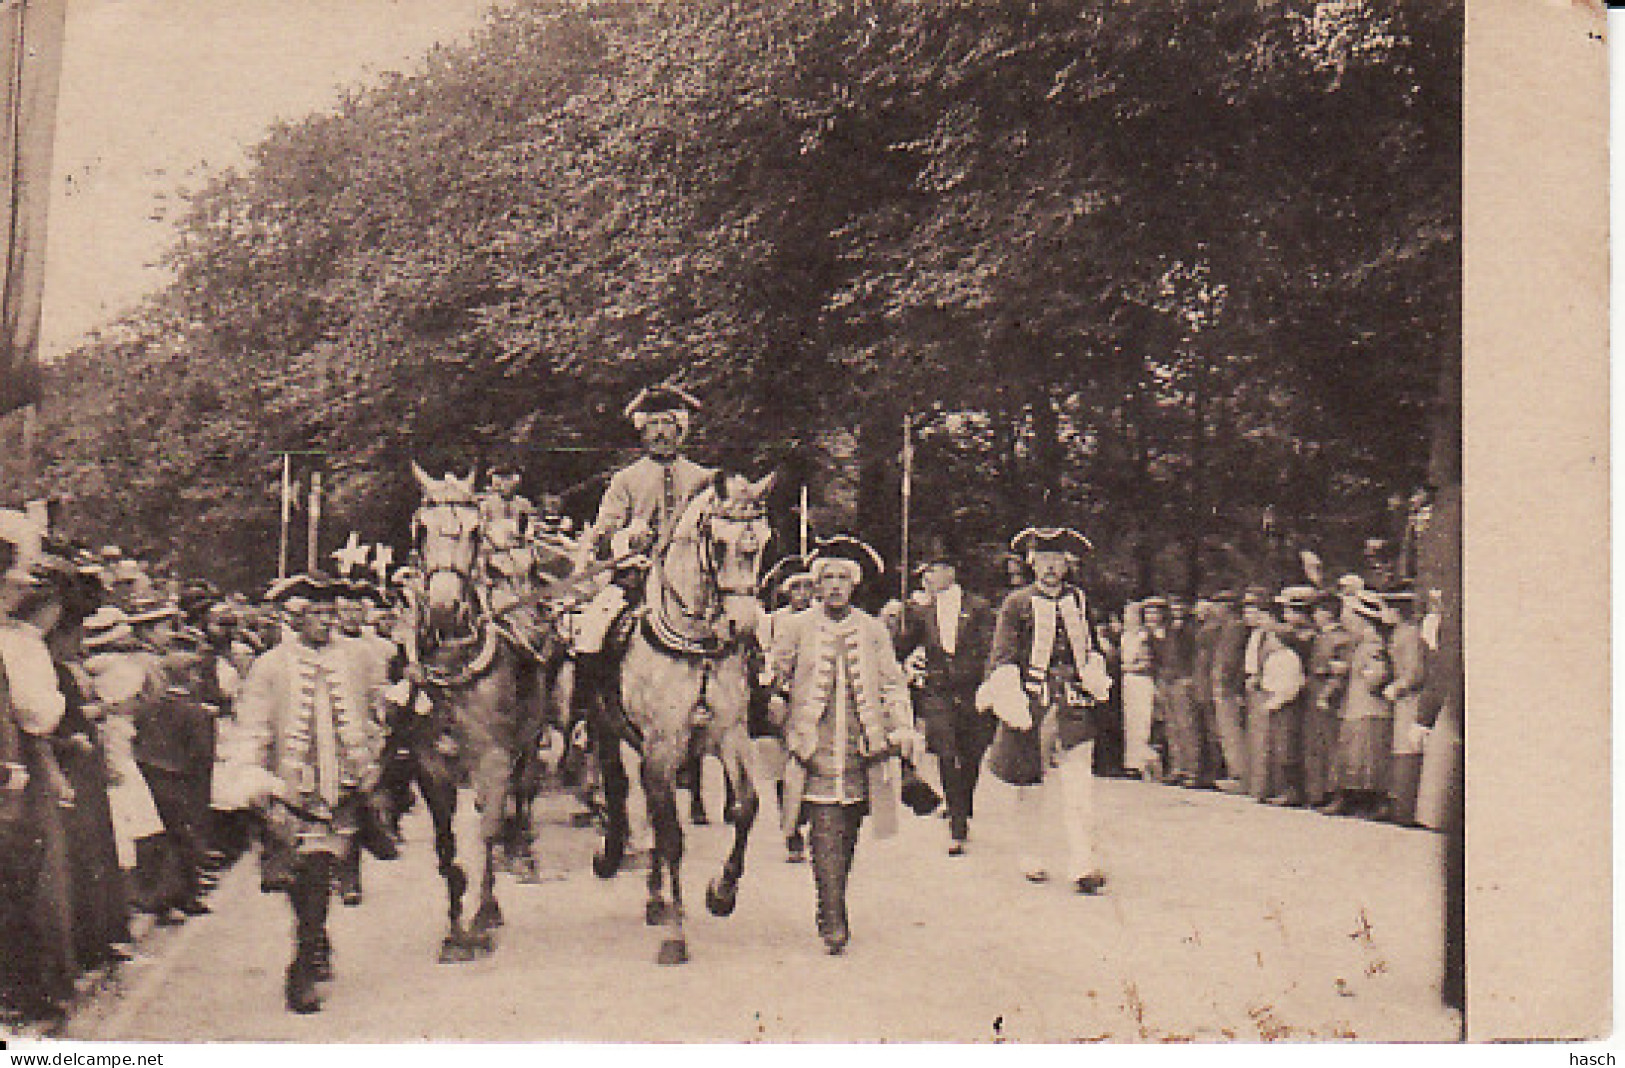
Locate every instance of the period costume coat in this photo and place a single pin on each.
(648, 494)
(1048, 640)
(302, 720)
(848, 705)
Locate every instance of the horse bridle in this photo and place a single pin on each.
(707, 529)
(468, 522)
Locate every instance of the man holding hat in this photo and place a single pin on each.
(848, 715)
(1045, 674)
(946, 639)
(303, 745)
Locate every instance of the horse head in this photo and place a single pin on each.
(728, 524)
(446, 527)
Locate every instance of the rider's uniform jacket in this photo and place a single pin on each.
(647, 495)
(505, 526)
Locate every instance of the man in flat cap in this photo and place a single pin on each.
(946, 637)
(303, 746)
(1045, 673)
(848, 715)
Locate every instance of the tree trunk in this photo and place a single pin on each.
(880, 444)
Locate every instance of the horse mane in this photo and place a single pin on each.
(699, 506)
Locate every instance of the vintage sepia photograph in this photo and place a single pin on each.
(786, 521)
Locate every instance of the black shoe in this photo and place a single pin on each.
(194, 907)
(957, 849)
(836, 939)
(351, 897)
(300, 987)
(1090, 885)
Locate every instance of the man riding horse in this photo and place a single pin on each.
(642, 504)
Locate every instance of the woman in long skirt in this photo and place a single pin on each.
(1366, 729)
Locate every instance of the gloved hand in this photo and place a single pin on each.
(910, 744)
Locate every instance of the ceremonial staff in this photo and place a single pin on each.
(908, 495)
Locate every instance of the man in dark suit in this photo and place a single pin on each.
(946, 635)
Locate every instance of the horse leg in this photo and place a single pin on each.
(491, 789)
(617, 826)
(527, 772)
(723, 893)
(660, 788)
(440, 795)
(693, 777)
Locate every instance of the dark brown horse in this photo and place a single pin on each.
(682, 687)
(487, 695)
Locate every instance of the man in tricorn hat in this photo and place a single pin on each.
(848, 714)
(788, 586)
(644, 500)
(303, 746)
(945, 640)
(1045, 672)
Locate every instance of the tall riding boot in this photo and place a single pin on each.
(851, 817)
(826, 837)
(313, 954)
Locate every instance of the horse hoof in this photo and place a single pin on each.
(454, 950)
(654, 913)
(605, 866)
(673, 951)
(721, 898)
(527, 873)
(488, 918)
(481, 944)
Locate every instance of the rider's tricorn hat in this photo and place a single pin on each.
(360, 590)
(842, 550)
(1051, 540)
(788, 571)
(661, 399)
(312, 586)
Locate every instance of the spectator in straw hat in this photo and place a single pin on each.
(1283, 681)
(1366, 723)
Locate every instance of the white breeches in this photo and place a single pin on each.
(1070, 790)
(1139, 705)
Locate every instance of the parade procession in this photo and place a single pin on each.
(734, 522)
